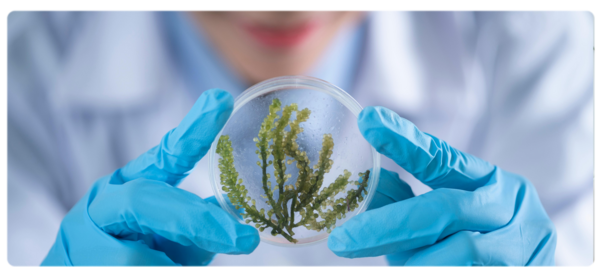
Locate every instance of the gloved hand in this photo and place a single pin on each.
(476, 214)
(137, 216)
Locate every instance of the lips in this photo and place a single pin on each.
(280, 38)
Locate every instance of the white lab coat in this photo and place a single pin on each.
(512, 88)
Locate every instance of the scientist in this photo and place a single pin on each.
(108, 112)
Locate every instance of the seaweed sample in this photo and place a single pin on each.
(316, 205)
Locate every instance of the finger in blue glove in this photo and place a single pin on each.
(135, 216)
(477, 214)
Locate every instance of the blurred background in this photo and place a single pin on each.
(90, 91)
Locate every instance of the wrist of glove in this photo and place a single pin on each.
(137, 216)
(476, 214)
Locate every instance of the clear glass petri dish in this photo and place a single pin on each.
(333, 112)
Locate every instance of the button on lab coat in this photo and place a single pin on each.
(88, 92)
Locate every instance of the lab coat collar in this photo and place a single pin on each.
(117, 61)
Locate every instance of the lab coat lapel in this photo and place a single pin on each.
(390, 74)
(421, 66)
(118, 61)
(117, 93)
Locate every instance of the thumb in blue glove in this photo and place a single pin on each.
(137, 216)
(477, 214)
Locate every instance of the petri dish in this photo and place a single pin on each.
(341, 184)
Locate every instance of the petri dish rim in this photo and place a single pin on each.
(291, 82)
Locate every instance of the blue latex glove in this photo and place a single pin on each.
(136, 215)
(477, 214)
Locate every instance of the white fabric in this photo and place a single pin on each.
(89, 92)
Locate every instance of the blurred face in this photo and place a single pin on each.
(263, 45)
